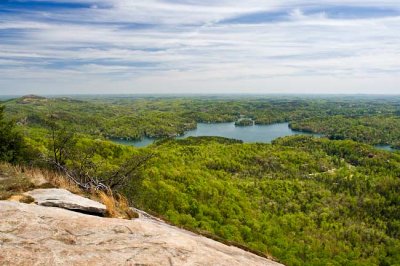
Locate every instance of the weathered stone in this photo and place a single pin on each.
(36, 235)
(62, 198)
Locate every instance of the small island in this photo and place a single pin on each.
(246, 122)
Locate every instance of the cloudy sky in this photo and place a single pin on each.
(193, 46)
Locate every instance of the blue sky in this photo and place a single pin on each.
(190, 46)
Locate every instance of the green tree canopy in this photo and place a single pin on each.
(11, 141)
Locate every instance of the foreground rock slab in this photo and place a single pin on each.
(64, 199)
(37, 235)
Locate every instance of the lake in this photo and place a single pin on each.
(256, 133)
(385, 147)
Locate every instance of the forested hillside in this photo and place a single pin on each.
(364, 119)
(374, 129)
(302, 200)
(305, 201)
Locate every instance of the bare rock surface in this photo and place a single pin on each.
(64, 199)
(37, 235)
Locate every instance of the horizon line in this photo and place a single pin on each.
(202, 94)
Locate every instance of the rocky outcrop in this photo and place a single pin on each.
(64, 199)
(37, 235)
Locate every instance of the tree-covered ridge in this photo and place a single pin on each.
(377, 129)
(359, 118)
(306, 201)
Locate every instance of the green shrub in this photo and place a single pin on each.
(11, 141)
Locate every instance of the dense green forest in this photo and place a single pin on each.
(364, 119)
(375, 129)
(300, 199)
(306, 201)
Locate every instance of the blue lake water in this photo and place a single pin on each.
(256, 133)
(385, 147)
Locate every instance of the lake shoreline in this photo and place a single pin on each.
(248, 134)
(258, 133)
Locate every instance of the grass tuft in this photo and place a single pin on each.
(117, 206)
(12, 182)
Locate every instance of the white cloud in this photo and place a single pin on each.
(187, 50)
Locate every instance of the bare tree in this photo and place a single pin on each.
(61, 139)
(82, 168)
(129, 169)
